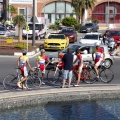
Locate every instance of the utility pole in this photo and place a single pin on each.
(108, 13)
(33, 41)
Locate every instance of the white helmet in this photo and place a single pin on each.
(97, 44)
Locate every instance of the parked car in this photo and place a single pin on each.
(40, 31)
(113, 33)
(4, 32)
(71, 33)
(56, 41)
(89, 27)
(89, 47)
(91, 38)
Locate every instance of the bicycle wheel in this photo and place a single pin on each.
(33, 82)
(52, 77)
(9, 82)
(89, 76)
(106, 75)
(74, 78)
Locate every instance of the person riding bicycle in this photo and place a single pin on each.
(97, 57)
(79, 66)
(41, 63)
(22, 62)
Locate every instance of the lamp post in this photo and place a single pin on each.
(44, 11)
(33, 41)
(108, 12)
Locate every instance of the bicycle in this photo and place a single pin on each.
(10, 81)
(106, 75)
(54, 74)
(85, 74)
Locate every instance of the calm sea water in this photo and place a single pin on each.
(86, 110)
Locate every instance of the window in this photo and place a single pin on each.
(21, 11)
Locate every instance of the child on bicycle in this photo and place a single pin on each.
(79, 66)
(41, 63)
(22, 64)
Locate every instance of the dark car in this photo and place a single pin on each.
(71, 33)
(89, 27)
(115, 34)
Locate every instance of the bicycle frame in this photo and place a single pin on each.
(84, 69)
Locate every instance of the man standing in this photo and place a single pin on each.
(41, 63)
(22, 64)
(68, 65)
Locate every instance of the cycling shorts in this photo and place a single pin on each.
(98, 62)
(24, 71)
(42, 68)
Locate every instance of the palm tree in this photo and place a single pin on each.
(19, 21)
(11, 9)
(81, 5)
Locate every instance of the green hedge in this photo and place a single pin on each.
(21, 46)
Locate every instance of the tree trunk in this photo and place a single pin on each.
(20, 34)
(82, 15)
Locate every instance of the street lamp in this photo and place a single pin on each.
(108, 12)
(33, 41)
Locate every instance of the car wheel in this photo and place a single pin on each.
(107, 63)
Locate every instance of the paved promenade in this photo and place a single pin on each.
(10, 99)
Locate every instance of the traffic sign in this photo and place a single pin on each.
(27, 28)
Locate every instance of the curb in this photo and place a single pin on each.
(28, 53)
(35, 97)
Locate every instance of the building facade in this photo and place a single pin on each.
(105, 11)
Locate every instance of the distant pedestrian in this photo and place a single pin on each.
(68, 65)
(105, 38)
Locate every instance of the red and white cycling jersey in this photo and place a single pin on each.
(41, 61)
(23, 60)
(79, 57)
(98, 53)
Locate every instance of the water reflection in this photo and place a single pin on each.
(87, 110)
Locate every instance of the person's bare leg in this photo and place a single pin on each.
(96, 70)
(43, 76)
(78, 81)
(22, 80)
(64, 81)
(69, 82)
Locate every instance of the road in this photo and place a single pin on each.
(7, 65)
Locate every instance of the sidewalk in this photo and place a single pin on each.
(84, 92)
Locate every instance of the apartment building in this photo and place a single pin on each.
(106, 11)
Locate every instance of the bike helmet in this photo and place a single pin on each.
(97, 44)
(42, 50)
(24, 52)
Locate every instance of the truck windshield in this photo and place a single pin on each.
(37, 27)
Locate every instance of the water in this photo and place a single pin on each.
(86, 110)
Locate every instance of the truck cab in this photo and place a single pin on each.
(40, 31)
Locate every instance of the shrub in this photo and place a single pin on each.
(69, 21)
(21, 46)
(54, 27)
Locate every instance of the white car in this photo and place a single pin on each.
(6, 32)
(91, 38)
(109, 60)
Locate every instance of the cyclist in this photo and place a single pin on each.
(97, 57)
(22, 62)
(41, 63)
(79, 66)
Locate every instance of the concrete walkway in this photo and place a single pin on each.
(10, 99)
